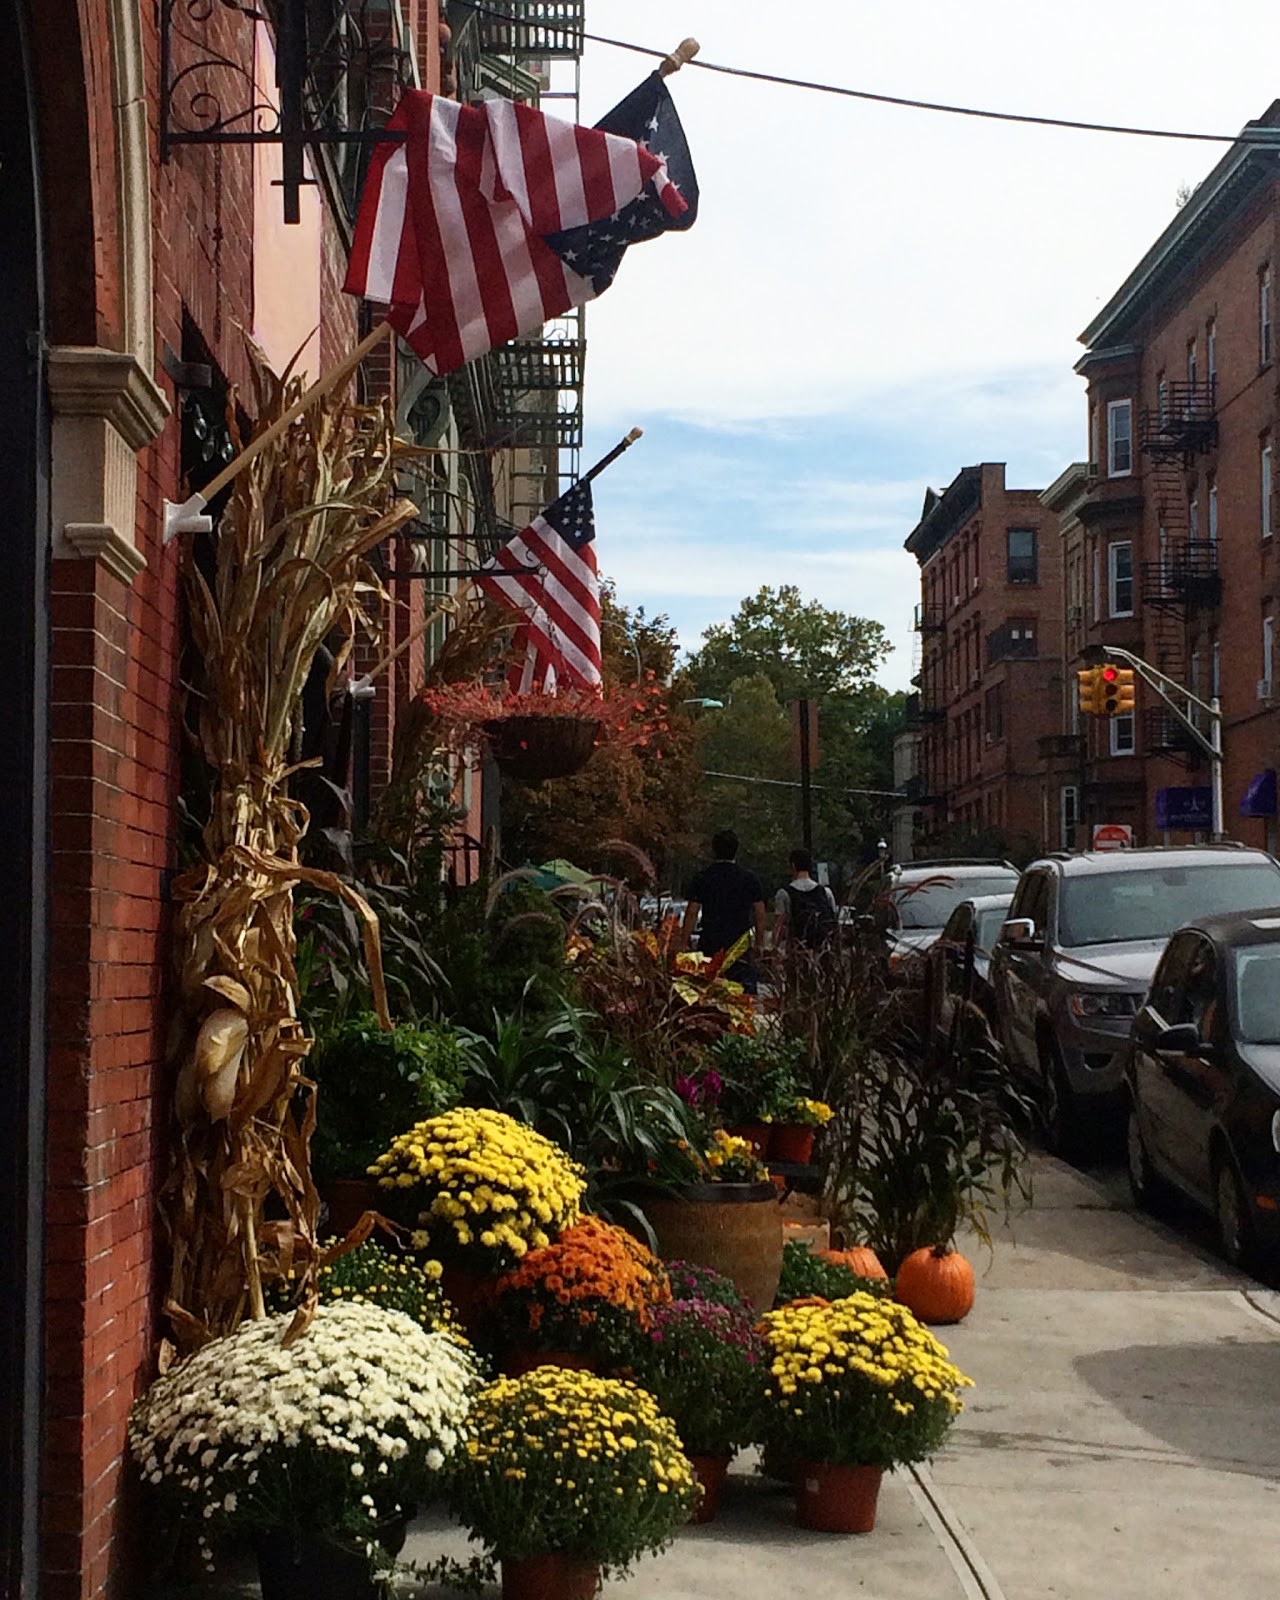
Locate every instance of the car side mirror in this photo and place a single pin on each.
(1021, 933)
(1148, 1025)
(1182, 1039)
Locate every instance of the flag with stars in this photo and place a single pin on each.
(649, 116)
(547, 574)
(477, 223)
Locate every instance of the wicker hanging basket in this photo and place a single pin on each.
(534, 748)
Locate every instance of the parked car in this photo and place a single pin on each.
(920, 896)
(1075, 959)
(1203, 1075)
(974, 926)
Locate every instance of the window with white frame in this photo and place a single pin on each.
(1163, 551)
(1097, 584)
(1162, 399)
(1119, 438)
(1211, 351)
(1267, 487)
(1120, 578)
(1193, 517)
(1213, 513)
(1068, 815)
(1264, 315)
(1191, 363)
(1123, 737)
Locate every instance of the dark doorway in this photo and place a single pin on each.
(24, 544)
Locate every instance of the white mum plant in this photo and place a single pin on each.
(342, 1430)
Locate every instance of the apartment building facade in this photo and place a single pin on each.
(990, 678)
(1172, 553)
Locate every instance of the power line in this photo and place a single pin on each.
(1263, 137)
(791, 783)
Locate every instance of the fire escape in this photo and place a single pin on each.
(1185, 577)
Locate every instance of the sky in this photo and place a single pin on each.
(872, 297)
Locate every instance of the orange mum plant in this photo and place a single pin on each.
(589, 1293)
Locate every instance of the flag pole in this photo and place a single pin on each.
(361, 685)
(189, 517)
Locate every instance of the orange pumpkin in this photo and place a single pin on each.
(936, 1284)
(860, 1259)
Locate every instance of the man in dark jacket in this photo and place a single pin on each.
(731, 900)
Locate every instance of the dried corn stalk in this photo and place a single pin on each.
(289, 569)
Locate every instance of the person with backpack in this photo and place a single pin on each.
(805, 910)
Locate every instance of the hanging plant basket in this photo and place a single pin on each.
(540, 746)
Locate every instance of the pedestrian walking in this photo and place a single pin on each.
(731, 900)
(805, 910)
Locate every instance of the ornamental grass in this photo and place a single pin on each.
(704, 1364)
(481, 1188)
(856, 1382)
(593, 1292)
(338, 1431)
(569, 1463)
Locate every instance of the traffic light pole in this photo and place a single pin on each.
(1211, 743)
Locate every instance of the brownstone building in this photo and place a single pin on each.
(1174, 556)
(990, 621)
(135, 261)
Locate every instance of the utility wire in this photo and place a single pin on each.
(1264, 137)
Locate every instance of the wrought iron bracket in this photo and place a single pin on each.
(338, 63)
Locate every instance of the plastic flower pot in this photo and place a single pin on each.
(550, 1577)
(759, 1135)
(837, 1499)
(792, 1142)
(710, 1471)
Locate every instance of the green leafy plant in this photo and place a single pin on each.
(373, 1083)
(565, 1462)
(371, 1275)
(704, 1363)
(761, 1074)
(805, 1274)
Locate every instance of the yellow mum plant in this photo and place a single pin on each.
(857, 1382)
(482, 1187)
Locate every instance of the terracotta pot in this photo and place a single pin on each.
(710, 1472)
(348, 1199)
(733, 1228)
(793, 1142)
(534, 748)
(552, 1577)
(293, 1562)
(837, 1499)
(519, 1362)
(759, 1135)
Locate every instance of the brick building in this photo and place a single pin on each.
(1173, 555)
(131, 273)
(990, 621)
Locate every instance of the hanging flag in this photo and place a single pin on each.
(558, 639)
(452, 231)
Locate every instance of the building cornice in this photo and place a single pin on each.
(1067, 489)
(949, 512)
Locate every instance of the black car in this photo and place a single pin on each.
(1203, 1076)
(974, 926)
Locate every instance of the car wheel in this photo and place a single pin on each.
(1150, 1193)
(1231, 1211)
(1064, 1133)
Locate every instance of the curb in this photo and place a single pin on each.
(977, 1581)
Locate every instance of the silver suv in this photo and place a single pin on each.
(1075, 959)
(919, 896)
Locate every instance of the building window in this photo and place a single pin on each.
(1021, 555)
(1122, 735)
(1095, 439)
(1068, 815)
(1097, 583)
(1162, 399)
(1191, 365)
(1120, 578)
(1211, 352)
(1163, 547)
(1213, 513)
(1119, 438)
(994, 712)
(1193, 518)
(1267, 484)
(1264, 316)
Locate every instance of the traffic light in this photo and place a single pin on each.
(1121, 693)
(1089, 688)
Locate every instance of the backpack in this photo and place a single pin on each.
(813, 917)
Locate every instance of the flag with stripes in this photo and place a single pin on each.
(455, 220)
(558, 640)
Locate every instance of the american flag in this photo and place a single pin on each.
(454, 223)
(558, 640)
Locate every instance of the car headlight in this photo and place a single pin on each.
(1113, 1003)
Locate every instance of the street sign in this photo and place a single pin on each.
(1191, 809)
(1112, 836)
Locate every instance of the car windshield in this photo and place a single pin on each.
(1257, 996)
(989, 926)
(1151, 902)
(930, 904)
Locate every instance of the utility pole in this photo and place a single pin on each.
(1171, 692)
(806, 773)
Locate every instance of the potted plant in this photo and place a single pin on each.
(828, 1274)
(371, 1083)
(760, 1075)
(690, 1280)
(319, 1446)
(703, 1363)
(567, 1475)
(724, 1216)
(585, 1300)
(796, 1120)
(854, 1386)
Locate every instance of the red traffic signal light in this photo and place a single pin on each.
(1110, 674)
